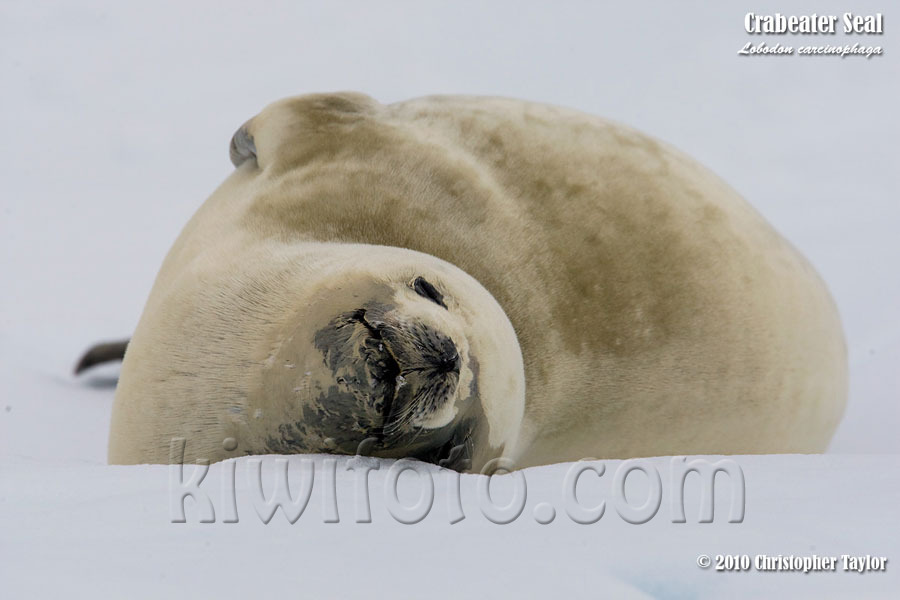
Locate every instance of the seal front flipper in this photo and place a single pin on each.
(242, 147)
(101, 353)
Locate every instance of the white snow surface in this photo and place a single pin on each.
(79, 529)
(116, 120)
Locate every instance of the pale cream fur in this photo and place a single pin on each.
(657, 313)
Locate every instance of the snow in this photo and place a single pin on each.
(116, 120)
(105, 528)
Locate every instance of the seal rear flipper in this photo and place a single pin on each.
(101, 353)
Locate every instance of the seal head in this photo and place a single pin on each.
(390, 366)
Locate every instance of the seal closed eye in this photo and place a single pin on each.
(426, 290)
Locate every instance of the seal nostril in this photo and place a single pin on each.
(449, 362)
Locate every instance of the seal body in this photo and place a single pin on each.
(464, 278)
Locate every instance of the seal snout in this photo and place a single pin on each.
(417, 346)
(404, 370)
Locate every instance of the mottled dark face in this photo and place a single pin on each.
(404, 370)
(389, 383)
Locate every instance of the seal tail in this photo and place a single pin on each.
(101, 353)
